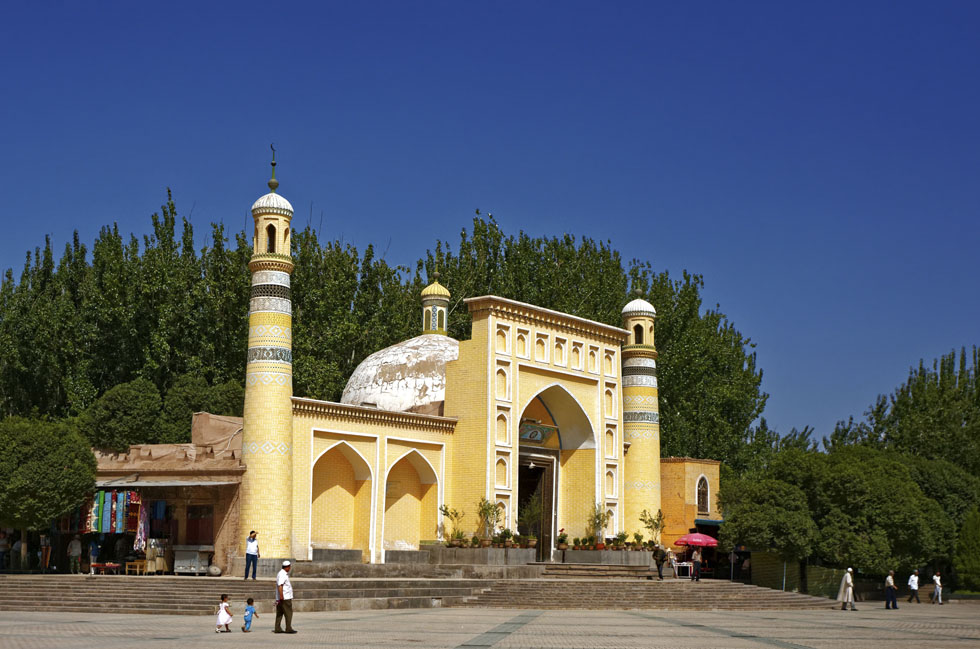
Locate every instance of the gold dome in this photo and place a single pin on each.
(435, 289)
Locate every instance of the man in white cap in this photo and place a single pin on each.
(284, 600)
(846, 593)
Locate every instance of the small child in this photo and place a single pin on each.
(249, 612)
(224, 616)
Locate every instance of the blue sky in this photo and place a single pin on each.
(819, 164)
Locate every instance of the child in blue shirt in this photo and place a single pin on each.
(249, 612)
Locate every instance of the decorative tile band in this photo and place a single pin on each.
(639, 361)
(641, 416)
(641, 400)
(270, 277)
(639, 381)
(265, 448)
(274, 354)
(269, 378)
(639, 371)
(273, 304)
(271, 331)
(269, 290)
(643, 485)
(641, 434)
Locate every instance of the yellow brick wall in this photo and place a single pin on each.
(680, 476)
(341, 507)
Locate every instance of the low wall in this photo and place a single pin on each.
(264, 568)
(441, 555)
(606, 557)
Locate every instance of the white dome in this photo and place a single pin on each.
(639, 307)
(272, 202)
(404, 377)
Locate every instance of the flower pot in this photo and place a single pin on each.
(532, 543)
(508, 543)
(485, 543)
(562, 546)
(600, 546)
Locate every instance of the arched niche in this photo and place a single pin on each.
(340, 511)
(411, 502)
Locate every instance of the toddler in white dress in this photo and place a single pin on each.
(224, 617)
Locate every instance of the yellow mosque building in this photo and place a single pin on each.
(536, 404)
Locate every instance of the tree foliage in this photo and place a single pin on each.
(158, 310)
(46, 469)
(768, 515)
(967, 558)
(934, 414)
(875, 510)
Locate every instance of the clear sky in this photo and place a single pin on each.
(818, 163)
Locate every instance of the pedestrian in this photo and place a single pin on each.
(75, 555)
(659, 556)
(224, 616)
(45, 552)
(251, 553)
(890, 591)
(4, 549)
(937, 595)
(93, 554)
(914, 587)
(284, 600)
(696, 560)
(846, 593)
(249, 612)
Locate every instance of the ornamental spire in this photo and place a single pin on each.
(273, 183)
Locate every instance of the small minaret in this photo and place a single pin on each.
(641, 413)
(435, 308)
(267, 444)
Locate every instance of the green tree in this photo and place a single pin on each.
(46, 469)
(966, 561)
(767, 514)
(190, 393)
(126, 414)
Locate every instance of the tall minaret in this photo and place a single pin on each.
(641, 416)
(266, 492)
(435, 308)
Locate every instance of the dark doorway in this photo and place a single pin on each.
(535, 501)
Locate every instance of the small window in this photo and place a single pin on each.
(703, 495)
(270, 235)
(638, 335)
(442, 319)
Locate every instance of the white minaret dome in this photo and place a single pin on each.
(272, 203)
(639, 306)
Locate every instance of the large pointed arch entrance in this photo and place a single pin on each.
(340, 515)
(556, 472)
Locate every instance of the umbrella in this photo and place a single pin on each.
(700, 540)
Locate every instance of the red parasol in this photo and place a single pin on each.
(700, 540)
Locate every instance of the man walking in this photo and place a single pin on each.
(890, 600)
(659, 556)
(937, 595)
(284, 600)
(696, 560)
(75, 555)
(251, 553)
(846, 593)
(914, 587)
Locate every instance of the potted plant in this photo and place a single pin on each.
(576, 543)
(455, 516)
(590, 542)
(507, 536)
(532, 541)
(621, 540)
(489, 515)
(596, 523)
(475, 541)
(637, 541)
(563, 539)
(655, 524)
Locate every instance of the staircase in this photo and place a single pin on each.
(595, 571)
(200, 595)
(568, 592)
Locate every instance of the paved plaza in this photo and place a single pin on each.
(921, 627)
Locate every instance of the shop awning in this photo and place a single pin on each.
(136, 484)
(707, 522)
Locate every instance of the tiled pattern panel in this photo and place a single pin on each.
(641, 428)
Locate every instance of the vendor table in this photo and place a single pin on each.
(102, 568)
(137, 567)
